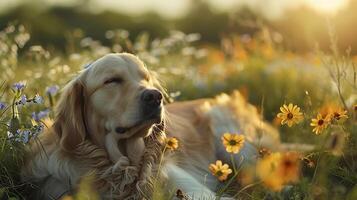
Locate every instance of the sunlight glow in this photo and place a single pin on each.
(178, 8)
(327, 6)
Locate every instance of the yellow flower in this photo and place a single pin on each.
(277, 169)
(319, 123)
(289, 167)
(220, 170)
(339, 115)
(233, 142)
(266, 171)
(172, 143)
(334, 112)
(290, 114)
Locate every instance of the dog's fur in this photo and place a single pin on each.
(88, 112)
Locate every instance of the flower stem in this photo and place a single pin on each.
(160, 163)
(13, 107)
(246, 187)
(219, 195)
(233, 164)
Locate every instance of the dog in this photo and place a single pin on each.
(109, 123)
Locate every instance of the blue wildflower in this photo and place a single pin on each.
(23, 135)
(40, 115)
(23, 100)
(19, 85)
(2, 105)
(26, 136)
(38, 99)
(52, 90)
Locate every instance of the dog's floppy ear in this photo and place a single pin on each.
(70, 123)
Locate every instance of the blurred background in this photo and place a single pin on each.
(299, 25)
(273, 52)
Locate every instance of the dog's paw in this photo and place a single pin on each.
(121, 164)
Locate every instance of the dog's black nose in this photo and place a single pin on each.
(151, 97)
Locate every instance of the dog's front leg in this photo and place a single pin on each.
(135, 147)
(111, 144)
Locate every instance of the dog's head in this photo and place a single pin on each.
(115, 94)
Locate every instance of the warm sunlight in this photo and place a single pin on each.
(178, 99)
(327, 6)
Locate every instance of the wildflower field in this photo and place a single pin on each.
(310, 98)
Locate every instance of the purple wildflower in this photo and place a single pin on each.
(23, 100)
(52, 90)
(40, 115)
(2, 105)
(35, 117)
(19, 85)
(23, 135)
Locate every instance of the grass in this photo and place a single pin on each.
(266, 74)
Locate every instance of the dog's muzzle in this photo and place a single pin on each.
(151, 103)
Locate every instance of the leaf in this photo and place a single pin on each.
(14, 125)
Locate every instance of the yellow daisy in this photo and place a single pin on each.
(233, 142)
(172, 143)
(339, 115)
(220, 170)
(289, 167)
(290, 115)
(278, 169)
(319, 123)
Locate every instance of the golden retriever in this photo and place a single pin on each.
(110, 121)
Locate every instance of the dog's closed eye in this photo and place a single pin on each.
(117, 80)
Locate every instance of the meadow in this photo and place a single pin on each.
(322, 85)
